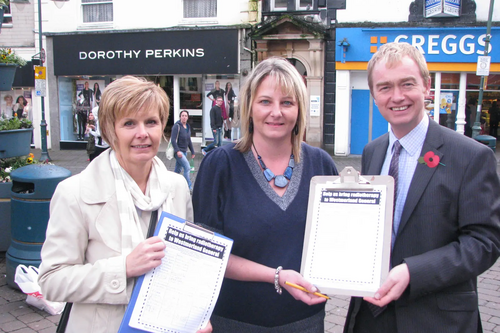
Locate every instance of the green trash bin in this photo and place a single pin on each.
(32, 189)
(488, 140)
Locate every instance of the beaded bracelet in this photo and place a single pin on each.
(276, 280)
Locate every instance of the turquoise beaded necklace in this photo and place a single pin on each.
(280, 180)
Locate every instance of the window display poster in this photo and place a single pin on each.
(314, 106)
(8, 100)
(208, 87)
(88, 92)
(446, 103)
(88, 95)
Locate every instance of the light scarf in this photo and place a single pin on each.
(129, 197)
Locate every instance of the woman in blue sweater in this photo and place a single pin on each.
(182, 132)
(256, 192)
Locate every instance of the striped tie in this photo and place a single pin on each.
(394, 168)
(393, 171)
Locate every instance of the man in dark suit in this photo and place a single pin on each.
(446, 227)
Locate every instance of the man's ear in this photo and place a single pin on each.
(428, 86)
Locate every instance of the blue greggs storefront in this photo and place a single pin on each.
(452, 57)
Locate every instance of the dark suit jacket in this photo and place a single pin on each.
(448, 235)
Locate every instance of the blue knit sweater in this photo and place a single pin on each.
(232, 196)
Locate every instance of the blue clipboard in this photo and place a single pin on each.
(124, 326)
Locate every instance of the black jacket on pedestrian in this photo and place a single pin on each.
(181, 138)
(215, 117)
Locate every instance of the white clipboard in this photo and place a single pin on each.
(347, 242)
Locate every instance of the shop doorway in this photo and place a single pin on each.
(367, 123)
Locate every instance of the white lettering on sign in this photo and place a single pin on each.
(120, 54)
(450, 48)
(468, 44)
(175, 53)
(135, 54)
(432, 44)
(467, 48)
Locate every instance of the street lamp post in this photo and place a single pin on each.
(44, 156)
(477, 124)
(41, 53)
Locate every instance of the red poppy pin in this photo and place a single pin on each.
(431, 159)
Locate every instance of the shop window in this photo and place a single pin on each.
(7, 18)
(278, 4)
(492, 82)
(97, 11)
(200, 8)
(304, 4)
(281, 5)
(448, 81)
(190, 93)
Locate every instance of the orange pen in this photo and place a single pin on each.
(304, 289)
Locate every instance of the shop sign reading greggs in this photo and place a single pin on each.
(448, 44)
(453, 45)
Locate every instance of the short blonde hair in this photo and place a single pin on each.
(291, 83)
(393, 53)
(127, 96)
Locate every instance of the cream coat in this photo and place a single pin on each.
(81, 257)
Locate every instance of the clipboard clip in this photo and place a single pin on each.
(349, 175)
(197, 230)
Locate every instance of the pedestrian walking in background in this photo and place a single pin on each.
(230, 97)
(91, 126)
(494, 118)
(216, 122)
(100, 145)
(181, 131)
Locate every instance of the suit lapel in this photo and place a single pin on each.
(423, 173)
(374, 162)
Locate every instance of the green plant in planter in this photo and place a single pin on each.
(14, 123)
(7, 165)
(7, 56)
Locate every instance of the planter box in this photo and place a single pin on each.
(5, 234)
(7, 73)
(15, 143)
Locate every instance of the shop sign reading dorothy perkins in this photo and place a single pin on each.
(147, 53)
(137, 54)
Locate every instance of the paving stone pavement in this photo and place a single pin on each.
(19, 317)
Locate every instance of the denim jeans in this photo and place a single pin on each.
(182, 162)
(217, 138)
